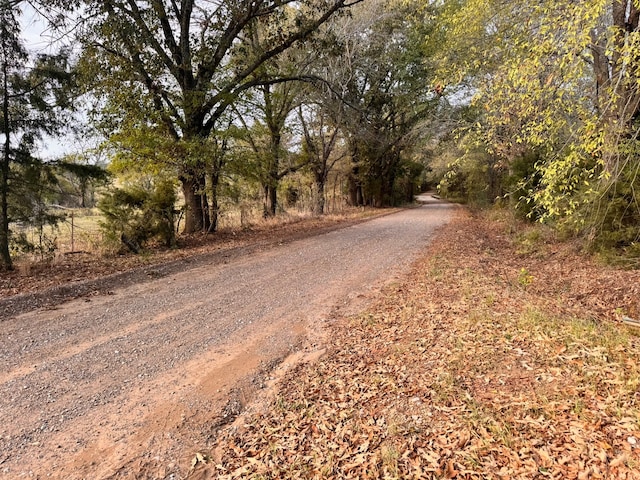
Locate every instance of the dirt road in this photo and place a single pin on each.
(135, 383)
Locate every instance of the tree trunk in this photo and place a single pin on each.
(356, 196)
(214, 178)
(273, 175)
(83, 192)
(624, 92)
(318, 195)
(409, 191)
(386, 191)
(5, 256)
(601, 68)
(270, 199)
(197, 212)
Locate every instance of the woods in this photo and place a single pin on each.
(529, 105)
(555, 110)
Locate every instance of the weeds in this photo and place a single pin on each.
(525, 278)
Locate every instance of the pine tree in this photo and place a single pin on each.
(32, 93)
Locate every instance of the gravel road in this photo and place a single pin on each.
(133, 384)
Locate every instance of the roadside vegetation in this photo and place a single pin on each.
(192, 113)
(503, 354)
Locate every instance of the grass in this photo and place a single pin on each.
(79, 230)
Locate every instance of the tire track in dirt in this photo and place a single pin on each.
(138, 381)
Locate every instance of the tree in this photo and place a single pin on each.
(79, 178)
(321, 135)
(386, 86)
(271, 106)
(268, 112)
(558, 83)
(140, 211)
(31, 101)
(12, 53)
(172, 69)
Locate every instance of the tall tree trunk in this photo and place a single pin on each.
(273, 175)
(386, 190)
(354, 182)
(623, 90)
(601, 66)
(356, 196)
(214, 179)
(5, 256)
(318, 193)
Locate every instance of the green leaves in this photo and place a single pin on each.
(176, 69)
(139, 212)
(556, 79)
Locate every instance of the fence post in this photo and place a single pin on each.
(72, 233)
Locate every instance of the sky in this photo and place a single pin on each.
(38, 39)
(34, 30)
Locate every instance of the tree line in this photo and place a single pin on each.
(552, 125)
(533, 105)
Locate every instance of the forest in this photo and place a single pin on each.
(188, 109)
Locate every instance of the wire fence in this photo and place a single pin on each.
(78, 231)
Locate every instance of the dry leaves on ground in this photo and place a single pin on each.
(486, 362)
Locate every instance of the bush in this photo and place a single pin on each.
(473, 178)
(134, 215)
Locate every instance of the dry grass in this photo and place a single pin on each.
(78, 230)
(468, 369)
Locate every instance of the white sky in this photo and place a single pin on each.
(38, 38)
(35, 33)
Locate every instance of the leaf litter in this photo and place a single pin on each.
(462, 370)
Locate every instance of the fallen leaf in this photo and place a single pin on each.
(450, 471)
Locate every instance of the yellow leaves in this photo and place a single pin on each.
(534, 90)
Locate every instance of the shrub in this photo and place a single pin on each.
(136, 214)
